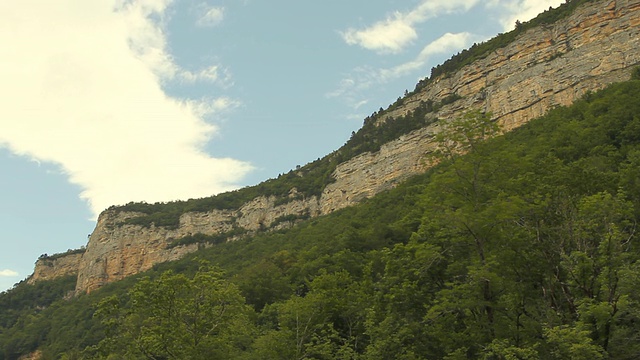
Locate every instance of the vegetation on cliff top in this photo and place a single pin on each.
(310, 180)
(52, 257)
(482, 50)
(524, 248)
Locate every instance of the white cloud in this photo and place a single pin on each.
(447, 43)
(364, 78)
(206, 107)
(350, 89)
(212, 74)
(360, 104)
(390, 35)
(210, 16)
(8, 273)
(521, 10)
(81, 87)
(397, 31)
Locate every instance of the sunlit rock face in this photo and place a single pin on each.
(47, 268)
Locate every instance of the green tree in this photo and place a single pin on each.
(464, 134)
(263, 283)
(572, 343)
(326, 323)
(176, 317)
(402, 282)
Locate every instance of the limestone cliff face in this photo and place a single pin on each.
(545, 67)
(48, 268)
(116, 250)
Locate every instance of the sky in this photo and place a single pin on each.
(103, 102)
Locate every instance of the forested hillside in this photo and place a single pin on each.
(523, 248)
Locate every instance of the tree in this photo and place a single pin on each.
(464, 134)
(263, 283)
(326, 323)
(176, 317)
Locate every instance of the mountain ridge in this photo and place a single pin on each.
(543, 67)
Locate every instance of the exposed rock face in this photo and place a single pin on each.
(545, 67)
(116, 250)
(48, 268)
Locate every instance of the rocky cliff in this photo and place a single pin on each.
(116, 250)
(544, 67)
(51, 267)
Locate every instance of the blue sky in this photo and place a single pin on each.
(109, 101)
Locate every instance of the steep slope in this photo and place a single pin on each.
(525, 247)
(544, 67)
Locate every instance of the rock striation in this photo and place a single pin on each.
(544, 67)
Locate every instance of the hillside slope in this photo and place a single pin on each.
(525, 247)
(541, 68)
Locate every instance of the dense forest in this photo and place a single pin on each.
(523, 247)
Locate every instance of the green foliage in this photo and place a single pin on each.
(464, 135)
(374, 134)
(60, 255)
(289, 218)
(523, 247)
(200, 238)
(265, 282)
(31, 299)
(572, 343)
(635, 73)
(177, 317)
(22, 309)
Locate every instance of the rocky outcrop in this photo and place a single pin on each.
(545, 67)
(116, 250)
(51, 267)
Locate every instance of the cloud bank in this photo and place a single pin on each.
(521, 10)
(81, 83)
(363, 78)
(398, 30)
(8, 273)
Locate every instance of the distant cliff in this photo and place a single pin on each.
(547, 66)
(51, 267)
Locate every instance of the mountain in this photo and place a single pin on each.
(505, 246)
(516, 77)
